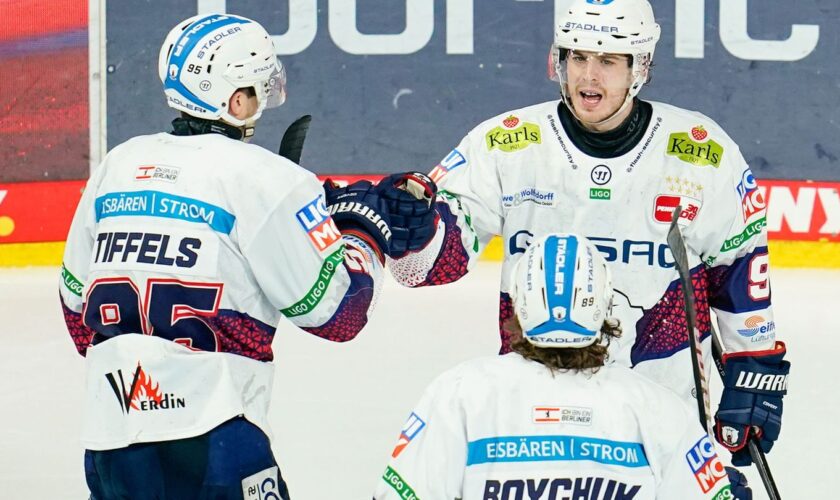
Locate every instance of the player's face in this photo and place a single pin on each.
(598, 85)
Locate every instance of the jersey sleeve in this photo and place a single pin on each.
(736, 256)
(429, 458)
(469, 209)
(323, 281)
(75, 266)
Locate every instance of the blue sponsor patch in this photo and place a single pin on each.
(555, 449)
(165, 205)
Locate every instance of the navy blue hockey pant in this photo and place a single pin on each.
(207, 467)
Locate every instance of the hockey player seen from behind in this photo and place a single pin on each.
(603, 163)
(550, 419)
(185, 252)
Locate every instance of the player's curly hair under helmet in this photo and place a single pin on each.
(206, 58)
(606, 27)
(562, 298)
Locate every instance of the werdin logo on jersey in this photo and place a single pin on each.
(558, 488)
(529, 194)
(705, 464)
(689, 149)
(509, 139)
(157, 173)
(315, 219)
(142, 393)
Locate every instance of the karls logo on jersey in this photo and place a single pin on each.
(752, 201)
(557, 488)
(157, 173)
(509, 139)
(547, 414)
(532, 195)
(410, 430)
(695, 148)
(316, 221)
(664, 206)
(452, 161)
(756, 325)
(141, 393)
(705, 464)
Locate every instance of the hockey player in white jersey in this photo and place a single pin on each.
(185, 251)
(549, 420)
(601, 162)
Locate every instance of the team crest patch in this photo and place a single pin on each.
(695, 147)
(510, 138)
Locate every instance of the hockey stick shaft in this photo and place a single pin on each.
(291, 145)
(678, 249)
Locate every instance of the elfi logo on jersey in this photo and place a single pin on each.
(316, 221)
(705, 464)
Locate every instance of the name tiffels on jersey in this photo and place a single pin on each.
(157, 173)
(529, 194)
(752, 201)
(316, 221)
(410, 430)
(452, 161)
(141, 393)
(688, 149)
(705, 464)
(546, 414)
(510, 139)
(664, 206)
(146, 248)
(589, 488)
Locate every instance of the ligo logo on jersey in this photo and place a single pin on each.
(410, 430)
(664, 206)
(452, 161)
(752, 201)
(705, 464)
(316, 221)
(509, 139)
(143, 393)
(694, 148)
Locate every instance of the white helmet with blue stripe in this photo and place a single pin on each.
(562, 291)
(206, 58)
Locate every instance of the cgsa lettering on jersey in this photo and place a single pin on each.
(319, 226)
(705, 464)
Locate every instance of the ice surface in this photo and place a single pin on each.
(338, 408)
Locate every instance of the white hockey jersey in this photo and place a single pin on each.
(201, 244)
(519, 175)
(506, 428)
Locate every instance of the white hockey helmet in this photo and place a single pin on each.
(206, 58)
(610, 27)
(562, 291)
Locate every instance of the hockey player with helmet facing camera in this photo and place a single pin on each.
(602, 162)
(185, 251)
(551, 419)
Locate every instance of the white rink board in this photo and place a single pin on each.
(338, 409)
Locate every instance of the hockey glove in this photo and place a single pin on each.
(751, 402)
(740, 488)
(410, 198)
(358, 209)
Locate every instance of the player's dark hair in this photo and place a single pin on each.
(590, 358)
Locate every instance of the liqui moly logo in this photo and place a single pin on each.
(319, 226)
(452, 161)
(139, 392)
(705, 464)
(752, 201)
(410, 430)
(664, 205)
